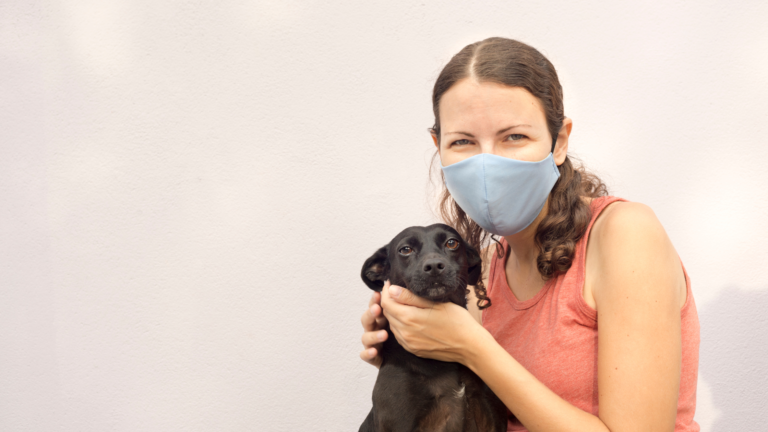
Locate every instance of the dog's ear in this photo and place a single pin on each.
(474, 263)
(376, 269)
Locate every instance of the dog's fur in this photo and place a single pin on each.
(414, 393)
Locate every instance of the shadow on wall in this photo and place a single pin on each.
(734, 358)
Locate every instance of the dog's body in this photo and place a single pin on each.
(414, 393)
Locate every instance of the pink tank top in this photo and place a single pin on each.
(554, 334)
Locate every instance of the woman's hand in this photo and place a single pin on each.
(440, 331)
(373, 331)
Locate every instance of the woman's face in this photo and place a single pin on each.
(485, 117)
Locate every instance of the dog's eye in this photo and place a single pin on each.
(452, 244)
(405, 250)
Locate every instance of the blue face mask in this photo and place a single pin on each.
(502, 195)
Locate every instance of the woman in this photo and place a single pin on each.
(587, 303)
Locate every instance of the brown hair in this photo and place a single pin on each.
(512, 63)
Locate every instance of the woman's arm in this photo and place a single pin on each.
(445, 331)
(639, 291)
(639, 343)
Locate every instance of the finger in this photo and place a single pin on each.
(390, 307)
(378, 313)
(381, 320)
(407, 297)
(371, 355)
(374, 338)
(394, 313)
(370, 316)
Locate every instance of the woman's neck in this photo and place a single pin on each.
(521, 267)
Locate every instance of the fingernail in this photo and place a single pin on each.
(372, 352)
(394, 290)
(382, 335)
(372, 311)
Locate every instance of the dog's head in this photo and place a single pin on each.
(433, 262)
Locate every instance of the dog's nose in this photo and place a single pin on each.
(434, 266)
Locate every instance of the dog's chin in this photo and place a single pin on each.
(435, 292)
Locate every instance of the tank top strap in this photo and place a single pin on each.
(494, 265)
(596, 207)
(575, 277)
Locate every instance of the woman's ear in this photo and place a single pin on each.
(561, 147)
(433, 132)
(376, 269)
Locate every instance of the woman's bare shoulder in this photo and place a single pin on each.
(628, 239)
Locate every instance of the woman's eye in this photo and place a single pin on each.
(452, 244)
(405, 250)
(460, 142)
(515, 137)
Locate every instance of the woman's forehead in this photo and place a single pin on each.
(472, 103)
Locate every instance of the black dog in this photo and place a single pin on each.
(414, 393)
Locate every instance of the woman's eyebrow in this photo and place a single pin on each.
(511, 127)
(497, 133)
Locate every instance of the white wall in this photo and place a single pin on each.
(190, 188)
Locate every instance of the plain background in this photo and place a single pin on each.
(188, 190)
